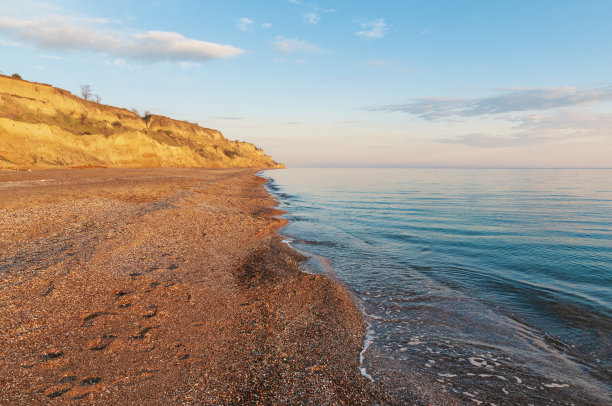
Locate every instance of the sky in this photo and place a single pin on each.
(404, 83)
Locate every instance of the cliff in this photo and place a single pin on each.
(45, 127)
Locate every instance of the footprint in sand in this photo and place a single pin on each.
(180, 351)
(49, 355)
(90, 381)
(142, 333)
(88, 318)
(101, 343)
(57, 390)
(152, 286)
(68, 383)
(150, 311)
(121, 293)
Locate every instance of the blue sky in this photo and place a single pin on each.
(360, 83)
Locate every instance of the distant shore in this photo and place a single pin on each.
(164, 286)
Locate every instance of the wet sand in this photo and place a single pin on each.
(164, 286)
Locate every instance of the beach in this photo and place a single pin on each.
(164, 286)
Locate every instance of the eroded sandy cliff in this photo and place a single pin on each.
(45, 127)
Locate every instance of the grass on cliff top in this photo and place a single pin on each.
(81, 125)
(77, 124)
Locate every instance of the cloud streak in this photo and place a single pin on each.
(508, 101)
(290, 45)
(60, 33)
(373, 29)
(312, 18)
(244, 24)
(564, 126)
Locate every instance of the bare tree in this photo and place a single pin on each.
(98, 98)
(86, 91)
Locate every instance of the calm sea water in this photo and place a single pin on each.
(478, 286)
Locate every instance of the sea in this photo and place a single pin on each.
(478, 286)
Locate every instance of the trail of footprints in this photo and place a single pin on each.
(142, 339)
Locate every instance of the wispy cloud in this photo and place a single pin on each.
(10, 43)
(119, 63)
(424, 31)
(190, 65)
(509, 100)
(53, 57)
(562, 126)
(62, 33)
(290, 45)
(244, 24)
(377, 64)
(312, 18)
(373, 29)
(266, 25)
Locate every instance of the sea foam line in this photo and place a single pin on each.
(328, 270)
(367, 342)
(327, 266)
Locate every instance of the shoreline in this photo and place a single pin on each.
(165, 286)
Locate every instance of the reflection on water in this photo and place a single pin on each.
(479, 285)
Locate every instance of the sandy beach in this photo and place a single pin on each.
(164, 286)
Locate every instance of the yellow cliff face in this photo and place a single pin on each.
(46, 127)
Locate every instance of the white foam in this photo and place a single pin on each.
(447, 375)
(367, 342)
(477, 362)
(364, 373)
(556, 385)
(373, 316)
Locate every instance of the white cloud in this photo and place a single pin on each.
(244, 23)
(312, 18)
(190, 65)
(10, 43)
(266, 25)
(564, 126)
(120, 63)
(373, 29)
(509, 100)
(53, 57)
(61, 33)
(289, 45)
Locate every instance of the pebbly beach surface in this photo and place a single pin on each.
(165, 286)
